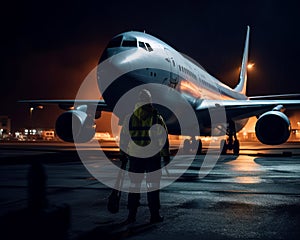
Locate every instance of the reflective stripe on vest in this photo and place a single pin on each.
(140, 134)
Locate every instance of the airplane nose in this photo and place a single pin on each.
(112, 68)
(107, 53)
(111, 53)
(116, 76)
(114, 64)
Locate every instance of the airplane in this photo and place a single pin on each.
(143, 59)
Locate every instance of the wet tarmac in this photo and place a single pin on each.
(255, 195)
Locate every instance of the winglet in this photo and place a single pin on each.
(241, 87)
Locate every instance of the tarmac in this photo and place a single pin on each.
(255, 195)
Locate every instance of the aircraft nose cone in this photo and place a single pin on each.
(107, 53)
(111, 54)
(112, 68)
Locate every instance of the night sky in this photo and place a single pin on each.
(48, 47)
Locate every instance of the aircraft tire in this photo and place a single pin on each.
(223, 147)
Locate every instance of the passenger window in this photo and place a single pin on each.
(142, 45)
(149, 47)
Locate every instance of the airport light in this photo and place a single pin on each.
(250, 66)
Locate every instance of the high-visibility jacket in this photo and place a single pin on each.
(136, 128)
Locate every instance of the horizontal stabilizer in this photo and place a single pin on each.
(279, 96)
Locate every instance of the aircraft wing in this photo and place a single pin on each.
(240, 109)
(68, 104)
(235, 109)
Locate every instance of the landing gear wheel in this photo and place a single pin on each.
(199, 150)
(186, 146)
(192, 146)
(223, 147)
(195, 146)
(236, 147)
(232, 143)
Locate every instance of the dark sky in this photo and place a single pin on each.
(48, 47)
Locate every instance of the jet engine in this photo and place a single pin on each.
(273, 127)
(75, 126)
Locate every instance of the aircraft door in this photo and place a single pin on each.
(173, 79)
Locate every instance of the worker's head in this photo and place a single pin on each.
(145, 96)
(144, 106)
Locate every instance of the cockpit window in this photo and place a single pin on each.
(115, 42)
(142, 45)
(129, 42)
(146, 46)
(149, 47)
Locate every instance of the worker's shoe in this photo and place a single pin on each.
(131, 217)
(129, 221)
(156, 218)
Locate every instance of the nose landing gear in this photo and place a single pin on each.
(192, 146)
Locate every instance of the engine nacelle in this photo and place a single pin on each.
(75, 126)
(273, 128)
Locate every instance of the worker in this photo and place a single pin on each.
(134, 136)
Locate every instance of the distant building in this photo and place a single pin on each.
(5, 126)
(37, 134)
(104, 136)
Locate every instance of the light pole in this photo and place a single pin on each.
(31, 123)
(30, 112)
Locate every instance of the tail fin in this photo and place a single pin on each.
(241, 87)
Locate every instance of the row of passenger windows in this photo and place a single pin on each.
(186, 71)
(128, 42)
(209, 85)
(204, 83)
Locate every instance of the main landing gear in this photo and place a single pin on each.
(190, 146)
(232, 143)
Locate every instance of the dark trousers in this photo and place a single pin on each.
(152, 168)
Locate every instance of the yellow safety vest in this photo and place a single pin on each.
(140, 123)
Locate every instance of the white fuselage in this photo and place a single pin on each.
(145, 59)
